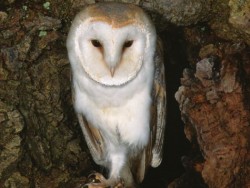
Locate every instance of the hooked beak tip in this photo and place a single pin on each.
(112, 72)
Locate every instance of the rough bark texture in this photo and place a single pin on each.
(214, 101)
(39, 140)
(41, 144)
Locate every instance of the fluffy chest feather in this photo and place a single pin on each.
(122, 114)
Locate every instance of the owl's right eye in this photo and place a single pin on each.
(96, 43)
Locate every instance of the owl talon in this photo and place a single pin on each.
(97, 180)
(103, 185)
(95, 185)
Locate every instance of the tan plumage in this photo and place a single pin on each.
(116, 15)
(138, 156)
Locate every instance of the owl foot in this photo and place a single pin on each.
(97, 180)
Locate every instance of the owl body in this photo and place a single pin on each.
(125, 111)
(112, 51)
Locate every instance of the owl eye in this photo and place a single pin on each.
(96, 43)
(128, 43)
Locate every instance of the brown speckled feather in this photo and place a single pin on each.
(158, 119)
(94, 140)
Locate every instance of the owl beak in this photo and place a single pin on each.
(112, 71)
(112, 62)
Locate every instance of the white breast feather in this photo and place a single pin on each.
(125, 109)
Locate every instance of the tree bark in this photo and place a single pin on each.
(214, 104)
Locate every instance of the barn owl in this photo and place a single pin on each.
(118, 84)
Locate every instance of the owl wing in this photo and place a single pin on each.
(158, 108)
(92, 137)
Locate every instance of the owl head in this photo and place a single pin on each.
(111, 42)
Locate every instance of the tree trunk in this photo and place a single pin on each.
(214, 104)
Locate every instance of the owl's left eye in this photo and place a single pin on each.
(96, 43)
(128, 43)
